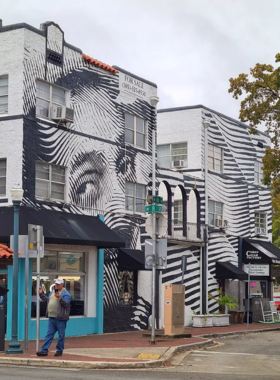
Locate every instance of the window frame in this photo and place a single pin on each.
(258, 172)
(215, 159)
(178, 203)
(134, 197)
(49, 182)
(135, 132)
(5, 177)
(216, 215)
(172, 156)
(258, 216)
(5, 95)
(50, 101)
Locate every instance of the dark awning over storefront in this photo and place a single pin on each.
(131, 259)
(60, 227)
(226, 270)
(259, 251)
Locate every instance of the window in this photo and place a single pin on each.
(215, 158)
(258, 173)
(215, 214)
(260, 223)
(172, 155)
(135, 197)
(50, 181)
(135, 133)
(3, 169)
(70, 266)
(178, 212)
(48, 95)
(3, 94)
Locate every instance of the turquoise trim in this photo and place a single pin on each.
(100, 287)
(76, 326)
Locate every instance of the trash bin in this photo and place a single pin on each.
(3, 292)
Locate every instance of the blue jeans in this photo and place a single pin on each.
(55, 325)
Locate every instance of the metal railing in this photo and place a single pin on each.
(186, 232)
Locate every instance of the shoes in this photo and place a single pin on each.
(58, 353)
(41, 353)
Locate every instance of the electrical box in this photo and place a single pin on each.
(174, 309)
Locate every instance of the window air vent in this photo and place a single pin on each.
(178, 164)
(54, 57)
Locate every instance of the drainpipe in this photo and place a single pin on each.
(204, 261)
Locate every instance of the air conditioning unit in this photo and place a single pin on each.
(178, 164)
(218, 223)
(62, 113)
(260, 231)
(225, 224)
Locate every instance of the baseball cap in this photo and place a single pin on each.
(58, 281)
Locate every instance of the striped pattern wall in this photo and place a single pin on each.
(234, 187)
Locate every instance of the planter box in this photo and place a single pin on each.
(220, 319)
(202, 321)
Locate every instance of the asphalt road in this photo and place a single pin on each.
(250, 357)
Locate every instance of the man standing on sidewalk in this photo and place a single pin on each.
(58, 311)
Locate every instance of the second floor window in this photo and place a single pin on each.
(178, 212)
(3, 172)
(258, 173)
(215, 158)
(215, 214)
(135, 133)
(135, 197)
(3, 94)
(172, 155)
(48, 95)
(50, 181)
(260, 223)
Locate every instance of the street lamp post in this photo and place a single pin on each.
(14, 345)
(154, 102)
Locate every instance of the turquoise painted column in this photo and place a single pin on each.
(100, 287)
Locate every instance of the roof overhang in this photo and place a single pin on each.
(259, 251)
(226, 270)
(60, 227)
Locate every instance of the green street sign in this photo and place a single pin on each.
(157, 199)
(153, 208)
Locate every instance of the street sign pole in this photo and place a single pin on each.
(154, 101)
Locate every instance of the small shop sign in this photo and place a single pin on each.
(257, 269)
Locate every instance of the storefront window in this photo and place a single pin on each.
(66, 265)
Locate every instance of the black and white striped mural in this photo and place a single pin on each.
(234, 187)
(94, 152)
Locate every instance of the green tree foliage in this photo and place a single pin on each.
(262, 98)
(260, 103)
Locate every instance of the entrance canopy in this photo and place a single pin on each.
(60, 227)
(259, 251)
(131, 259)
(226, 270)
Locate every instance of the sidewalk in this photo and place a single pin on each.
(127, 349)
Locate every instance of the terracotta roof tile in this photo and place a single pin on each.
(97, 63)
(5, 252)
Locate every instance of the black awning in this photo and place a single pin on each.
(131, 259)
(259, 251)
(60, 227)
(226, 270)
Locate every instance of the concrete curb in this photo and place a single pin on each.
(101, 364)
(220, 335)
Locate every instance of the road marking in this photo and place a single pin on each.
(148, 356)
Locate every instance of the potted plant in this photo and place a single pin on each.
(226, 303)
(202, 320)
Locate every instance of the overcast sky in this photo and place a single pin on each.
(189, 48)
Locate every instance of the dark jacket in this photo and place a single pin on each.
(63, 310)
